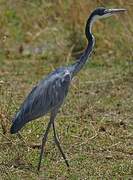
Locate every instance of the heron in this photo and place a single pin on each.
(49, 94)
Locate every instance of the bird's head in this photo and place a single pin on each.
(102, 12)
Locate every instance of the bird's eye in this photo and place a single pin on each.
(105, 11)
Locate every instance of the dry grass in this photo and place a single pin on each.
(95, 125)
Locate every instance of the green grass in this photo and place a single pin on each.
(95, 124)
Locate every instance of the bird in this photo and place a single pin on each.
(49, 94)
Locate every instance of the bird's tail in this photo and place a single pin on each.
(17, 123)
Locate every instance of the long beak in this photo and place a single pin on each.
(115, 11)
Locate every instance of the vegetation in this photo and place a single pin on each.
(95, 125)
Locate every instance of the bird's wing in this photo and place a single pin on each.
(47, 95)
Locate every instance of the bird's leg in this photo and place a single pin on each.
(44, 139)
(59, 146)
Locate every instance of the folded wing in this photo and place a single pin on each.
(47, 95)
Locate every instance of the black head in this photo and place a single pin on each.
(102, 12)
(99, 13)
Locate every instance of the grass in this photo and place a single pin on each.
(95, 124)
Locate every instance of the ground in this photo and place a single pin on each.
(95, 124)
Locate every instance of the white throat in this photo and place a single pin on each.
(96, 17)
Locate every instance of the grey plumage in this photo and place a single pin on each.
(49, 94)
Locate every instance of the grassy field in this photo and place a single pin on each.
(95, 124)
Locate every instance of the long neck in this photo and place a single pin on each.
(80, 62)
